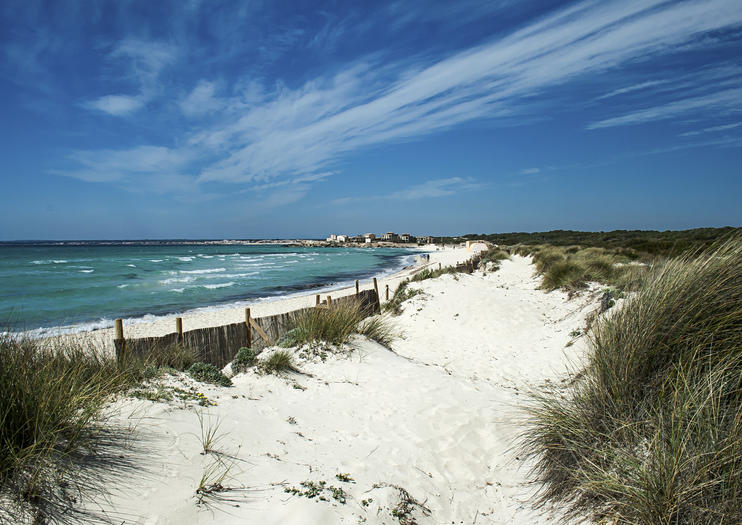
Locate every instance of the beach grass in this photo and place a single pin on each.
(651, 431)
(53, 397)
(336, 325)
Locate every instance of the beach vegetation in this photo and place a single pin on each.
(212, 480)
(244, 359)
(279, 362)
(208, 373)
(210, 436)
(53, 395)
(401, 294)
(337, 324)
(651, 430)
(378, 328)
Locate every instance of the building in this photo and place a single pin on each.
(369, 237)
(406, 237)
(332, 238)
(425, 239)
(342, 238)
(390, 237)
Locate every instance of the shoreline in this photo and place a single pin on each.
(149, 325)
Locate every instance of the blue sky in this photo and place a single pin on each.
(217, 119)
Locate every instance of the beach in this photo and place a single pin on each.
(423, 432)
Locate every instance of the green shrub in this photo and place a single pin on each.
(652, 431)
(208, 373)
(244, 359)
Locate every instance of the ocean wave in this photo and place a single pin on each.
(210, 270)
(173, 280)
(177, 290)
(205, 256)
(131, 265)
(220, 285)
(185, 259)
(87, 271)
(122, 286)
(231, 275)
(155, 260)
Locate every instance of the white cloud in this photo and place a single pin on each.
(201, 100)
(712, 129)
(629, 89)
(725, 100)
(117, 105)
(143, 62)
(530, 171)
(427, 190)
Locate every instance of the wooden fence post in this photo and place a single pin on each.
(357, 292)
(378, 297)
(248, 338)
(329, 302)
(439, 266)
(179, 328)
(387, 292)
(119, 338)
(317, 301)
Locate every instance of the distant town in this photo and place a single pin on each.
(369, 238)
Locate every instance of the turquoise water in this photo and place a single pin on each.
(87, 286)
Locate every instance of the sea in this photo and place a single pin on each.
(65, 287)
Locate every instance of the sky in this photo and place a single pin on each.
(248, 119)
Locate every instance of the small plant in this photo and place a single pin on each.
(312, 489)
(244, 359)
(279, 362)
(212, 479)
(345, 478)
(575, 333)
(209, 433)
(208, 373)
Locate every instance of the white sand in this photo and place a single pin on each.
(438, 417)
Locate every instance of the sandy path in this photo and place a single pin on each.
(438, 417)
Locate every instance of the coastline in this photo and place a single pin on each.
(209, 316)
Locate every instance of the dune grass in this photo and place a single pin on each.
(51, 401)
(651, 433)
(572, 267)
(335, 325)
(279, 362)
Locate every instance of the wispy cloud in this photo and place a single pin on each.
(712, 129)
(429, 189)
(305, 129)
(143, 61)
(629, 89)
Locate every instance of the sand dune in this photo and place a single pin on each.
(427, 430)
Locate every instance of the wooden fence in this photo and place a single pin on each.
(218, 345)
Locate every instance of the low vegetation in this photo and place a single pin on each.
(651, 431)
(208, 373)
(645, 242)
(572, 267)
(336, 325)
(245, 358)
(50, 412)
(279, 362)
